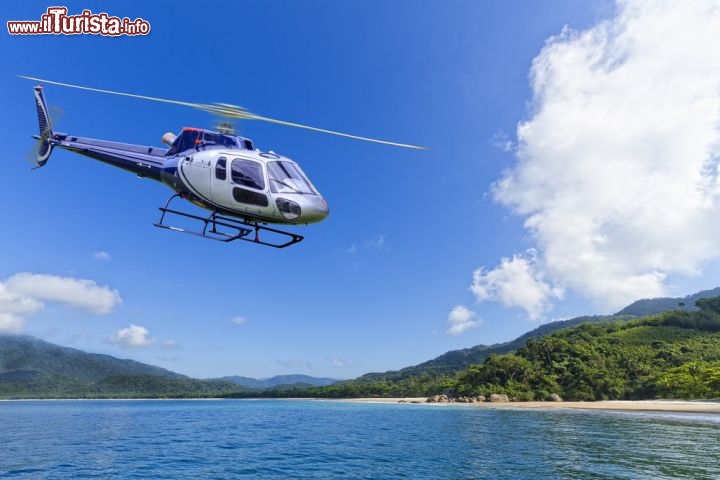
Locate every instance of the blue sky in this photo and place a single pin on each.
(571, 169)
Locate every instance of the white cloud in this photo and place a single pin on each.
(169, 344)
(616, 171)
(461, 319)
(338, 362)
(79, 293)
(102, 256)
(24, 294)
(516, 282)
(10, 323)
(132, 336)
(240, 320)
(14, 303)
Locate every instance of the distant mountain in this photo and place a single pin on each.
(457, 360)
(654, 306)
(300, 381)
(33, 368)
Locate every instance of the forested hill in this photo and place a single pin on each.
(672, 355)
(457, 360)
(675, 354)
(23, 353)
(652, 306)
(32, 368)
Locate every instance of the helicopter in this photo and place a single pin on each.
(245, 189)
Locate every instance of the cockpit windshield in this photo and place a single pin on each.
(286, 177)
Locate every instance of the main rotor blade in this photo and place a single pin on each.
(297, 125)
(225, 110)
(232, 111)
(176, 102)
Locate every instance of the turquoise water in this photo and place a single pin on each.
(314, 439)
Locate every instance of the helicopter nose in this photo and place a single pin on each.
(317, 211)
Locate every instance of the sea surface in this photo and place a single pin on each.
(285, 439)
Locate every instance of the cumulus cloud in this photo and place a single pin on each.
(13, 308)
(461, 319)
(10, 323)
(79, 293)
(132, 336)
(616, 171)
(516, 282)
(16, 303)
(24, 294)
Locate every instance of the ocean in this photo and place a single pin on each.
(285, 439)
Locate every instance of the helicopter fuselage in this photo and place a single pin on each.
(219, 173)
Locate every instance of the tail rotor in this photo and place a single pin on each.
(42, 150)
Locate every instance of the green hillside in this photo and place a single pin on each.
(454, 361)
(672, 355)
(675, 354)
(450, 363)
(32, 368)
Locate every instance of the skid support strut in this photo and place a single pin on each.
(227, 229)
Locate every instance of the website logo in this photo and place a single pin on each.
(56, 21)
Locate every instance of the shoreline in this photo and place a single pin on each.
(677, 406)
(681, 406)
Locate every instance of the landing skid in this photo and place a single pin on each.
(226, 229)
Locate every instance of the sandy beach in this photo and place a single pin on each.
(627, 405)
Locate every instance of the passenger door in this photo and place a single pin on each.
(220, 182)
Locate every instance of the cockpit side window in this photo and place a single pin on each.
(221, 169)
(247, 173)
